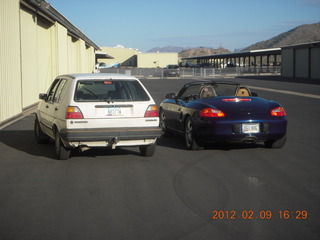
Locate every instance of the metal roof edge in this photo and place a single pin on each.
(303, 45)
(236, 54)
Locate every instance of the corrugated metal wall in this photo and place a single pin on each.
(315, 63)
(10, 70)
(73, 50)
(33, 51)
(301, 61)
(36, 60)
(62, 49)
(287, 62)
(90, 59)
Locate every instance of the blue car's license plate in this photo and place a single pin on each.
(250, 127)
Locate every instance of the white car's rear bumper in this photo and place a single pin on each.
(101, 137)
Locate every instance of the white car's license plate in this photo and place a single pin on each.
(114, 112)
(250, 127)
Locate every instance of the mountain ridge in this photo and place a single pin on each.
(299, 35)
(167, 49)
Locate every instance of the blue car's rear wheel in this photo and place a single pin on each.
(276, 144)
(164, 130)
(190, 137)
(163, 127)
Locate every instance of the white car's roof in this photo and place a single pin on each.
(88, 76)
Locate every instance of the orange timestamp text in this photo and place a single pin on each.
(263, 214)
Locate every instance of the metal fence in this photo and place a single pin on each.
(196, 72)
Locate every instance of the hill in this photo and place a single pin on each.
(202, 52)
(166, 49)
(302, 34)
(188, 52)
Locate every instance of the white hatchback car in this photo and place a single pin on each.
(97, 110)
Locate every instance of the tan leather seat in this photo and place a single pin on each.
(243, 92)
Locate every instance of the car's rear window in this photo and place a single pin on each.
(173, 66)
(222, 89)
(109, 90)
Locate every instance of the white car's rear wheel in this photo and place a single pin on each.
(147, 150)
(62, 152)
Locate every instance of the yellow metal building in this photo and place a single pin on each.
(124, 56)
(156, 60)
(129, 57)
(37, 43)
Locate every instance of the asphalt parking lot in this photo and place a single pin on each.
(222, 192)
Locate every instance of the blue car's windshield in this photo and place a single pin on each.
(221, 89)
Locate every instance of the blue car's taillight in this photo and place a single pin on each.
(211, 112)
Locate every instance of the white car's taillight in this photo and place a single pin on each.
(152, 111)
(73, 113)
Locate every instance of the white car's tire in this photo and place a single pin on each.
(147, 150)
(62, 152)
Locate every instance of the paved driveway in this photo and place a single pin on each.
(252, 192)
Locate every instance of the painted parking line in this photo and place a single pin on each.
(286, 92)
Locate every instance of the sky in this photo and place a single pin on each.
(145, 24)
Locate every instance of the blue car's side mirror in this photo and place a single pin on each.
(170, 96)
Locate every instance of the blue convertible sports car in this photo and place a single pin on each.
(218, 111)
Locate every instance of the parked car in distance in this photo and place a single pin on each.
(172, 70)
(97, 110)
(213, 111)
(102, 65)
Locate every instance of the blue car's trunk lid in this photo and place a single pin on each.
(239, 107)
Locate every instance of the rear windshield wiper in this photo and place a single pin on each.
(97, 96)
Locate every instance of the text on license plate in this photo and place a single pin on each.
(114, 112)
(250, 128)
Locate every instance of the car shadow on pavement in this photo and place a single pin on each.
(24, 141)
(19, 136)
(177, 142)
(101, 152)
